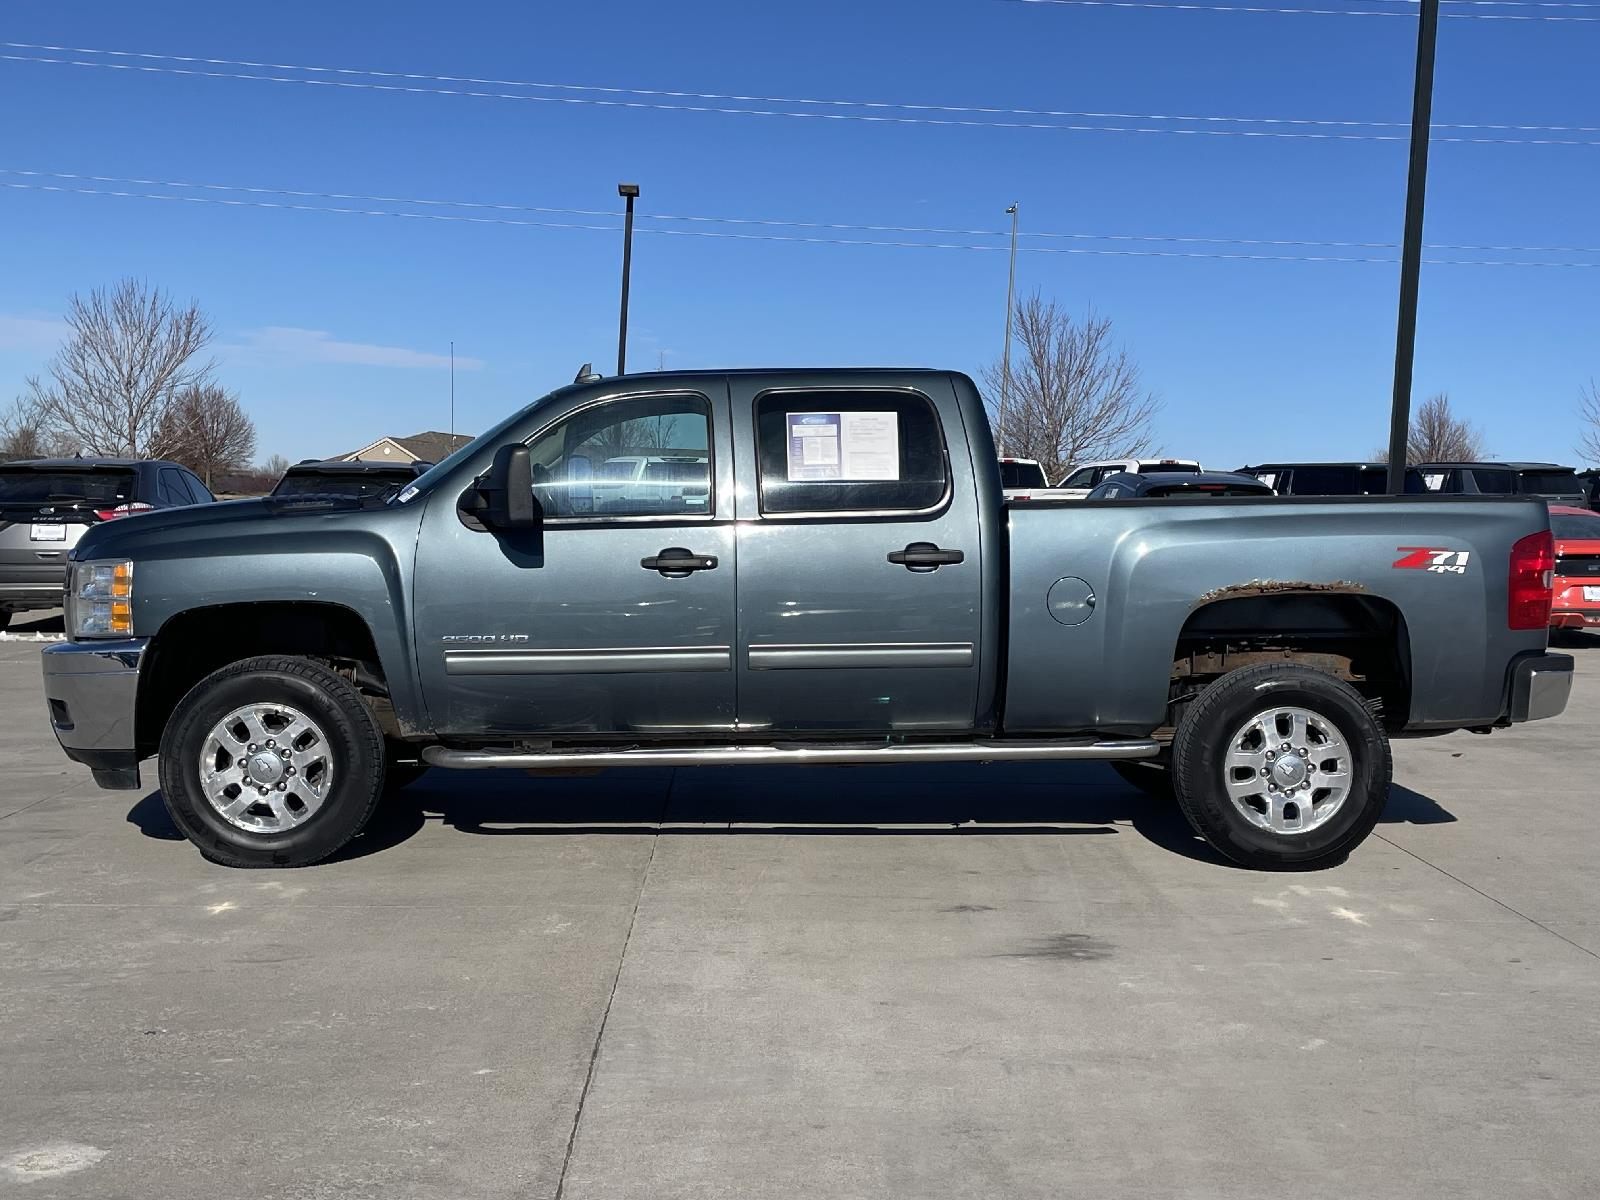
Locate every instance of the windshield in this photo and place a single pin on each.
(1022, 475)
(1576, 527)
(340, 483)
(30, 485)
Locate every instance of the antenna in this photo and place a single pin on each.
(452, 395)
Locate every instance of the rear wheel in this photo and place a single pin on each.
(1281, 766)
(271, 762)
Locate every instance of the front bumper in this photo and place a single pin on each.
(92, 689)
(1540, 685)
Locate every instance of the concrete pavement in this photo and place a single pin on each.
(1022, 981)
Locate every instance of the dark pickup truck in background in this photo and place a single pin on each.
(802, 566)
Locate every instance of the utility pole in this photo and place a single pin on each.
(1005, 356)
(628, 191)
(1405, 348)
(452, 395)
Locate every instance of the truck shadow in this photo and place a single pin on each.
(951, 800)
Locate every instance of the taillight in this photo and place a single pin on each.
(1529, 589)
(123, 510)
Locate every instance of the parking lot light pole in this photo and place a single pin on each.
(628, 191)
(1005, 356)
(1405, 348)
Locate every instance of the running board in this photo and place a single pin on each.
(798, 754)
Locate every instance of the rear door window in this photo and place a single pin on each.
(1147, 468)
(1081, 478)
(850, 451)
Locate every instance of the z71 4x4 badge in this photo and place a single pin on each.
(1429, 558)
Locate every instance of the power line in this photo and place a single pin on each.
(767, 237)
(872, 117)
(1179, 6)
(900, 106)
(769, 222)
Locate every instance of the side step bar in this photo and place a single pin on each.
(798, 754)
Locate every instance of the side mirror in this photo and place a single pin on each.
(503, 497)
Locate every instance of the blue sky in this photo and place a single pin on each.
(334, 328)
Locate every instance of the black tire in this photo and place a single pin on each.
(1153, 777)
(353, 737)
(1205, 734)
(5, 618)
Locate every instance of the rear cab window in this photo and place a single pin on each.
(850, 451)
(1552, 483)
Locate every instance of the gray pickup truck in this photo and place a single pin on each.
(804, 566)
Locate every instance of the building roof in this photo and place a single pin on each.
(428, 446)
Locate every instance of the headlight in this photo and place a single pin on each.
(101, 599)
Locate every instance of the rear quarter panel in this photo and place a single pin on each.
(1151, 563)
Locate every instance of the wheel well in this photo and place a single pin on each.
(1358, 638)
(193, 644)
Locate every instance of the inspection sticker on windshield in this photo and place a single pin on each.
(843, 446)
(48, 533)
(1430, 558)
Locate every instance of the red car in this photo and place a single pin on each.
(1577, 589)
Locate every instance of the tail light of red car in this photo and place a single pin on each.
(1532, 581)
(123, 510)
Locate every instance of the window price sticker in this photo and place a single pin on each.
(843, 446)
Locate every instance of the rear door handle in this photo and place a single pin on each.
(925, 556)
(676, 563)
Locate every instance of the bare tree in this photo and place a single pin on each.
(1074, 395)
(1589, 417)
(131, 350)
(205, 429)
(1438, 435)
(24, 432)
(275, 466)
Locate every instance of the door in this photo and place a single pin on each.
(617, 614)
(860, 566)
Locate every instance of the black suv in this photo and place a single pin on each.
(357, 480)
(1544, 480)
(47, 503)
(1332, 478)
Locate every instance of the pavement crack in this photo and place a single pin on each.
(1492, 899)
(605, 1016)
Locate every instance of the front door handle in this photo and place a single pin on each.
(677, 563)
(925, 556)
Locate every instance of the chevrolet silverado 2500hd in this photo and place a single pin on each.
(813, 566)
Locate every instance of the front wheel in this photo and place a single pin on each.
(1280, 766)
(271, 762)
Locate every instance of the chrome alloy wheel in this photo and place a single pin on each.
(1288, 770)
(266, 768)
